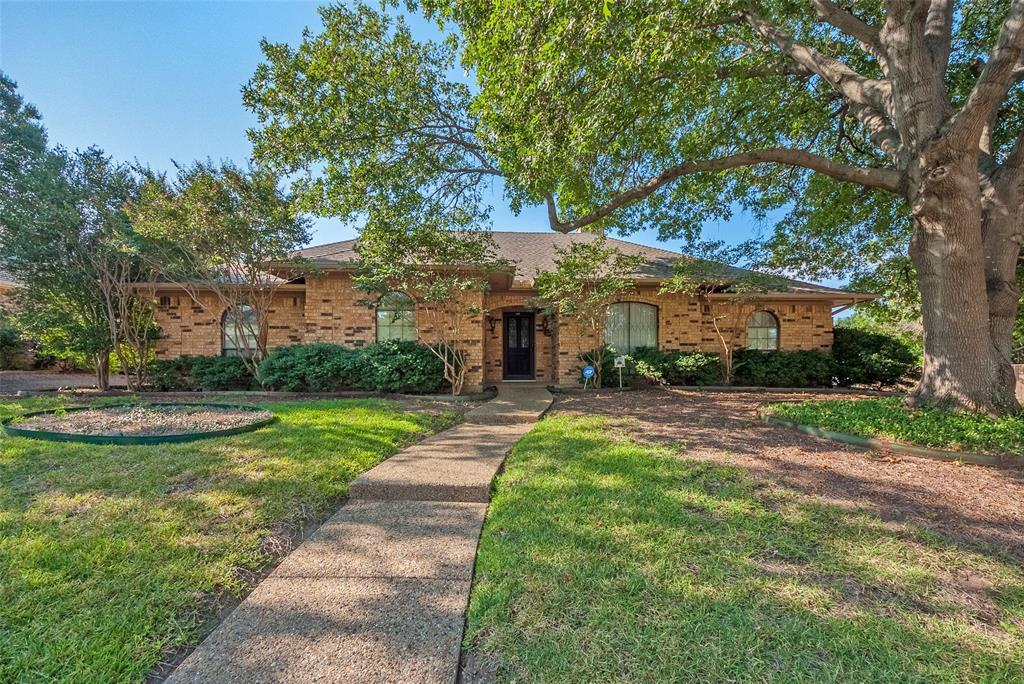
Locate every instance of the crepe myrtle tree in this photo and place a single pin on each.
(445, 271)
(707, 274)
(229, 232)
(588, 277)
(66, 238)
(890, 125)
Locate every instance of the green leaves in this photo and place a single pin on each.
(588, 276)
(220, 221)
(370, 120)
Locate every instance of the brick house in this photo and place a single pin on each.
(511, 340)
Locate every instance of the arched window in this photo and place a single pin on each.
(396, 317)
(631, 325)
(239, 331)
(763, 331)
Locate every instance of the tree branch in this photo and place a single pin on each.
(884, 179)
(852, 26)
(995, 80)
(882, 134)
(847, 82)
(938, 32)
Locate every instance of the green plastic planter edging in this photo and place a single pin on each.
(14, 431)
(996, 460)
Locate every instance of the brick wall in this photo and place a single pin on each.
(191, 328)
(331, 310)
(472, 329)
(497, 303)
(336, 312)
(188, 327)
(685, 323)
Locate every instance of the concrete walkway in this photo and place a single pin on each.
(379, 592)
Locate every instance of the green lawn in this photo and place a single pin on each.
(607, 561)
(110, 556)
(888, 419)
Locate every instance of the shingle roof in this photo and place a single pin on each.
(534, 252)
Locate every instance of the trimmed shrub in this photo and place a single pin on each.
(12, 347)
(871, 358)
(317, 367)
(390, 366)
(808, 368)
(170, 375)
(206, 373)
(648, 365)
(221, 373)
(694, 368)
(395, 366)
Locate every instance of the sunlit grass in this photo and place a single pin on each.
(603, 560)
(887, 418)
(110, 555)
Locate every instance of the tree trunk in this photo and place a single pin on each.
(1002, 236)
(963, 370)
(103, 371)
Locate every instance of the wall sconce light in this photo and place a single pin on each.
(545, 322)
(491, 322)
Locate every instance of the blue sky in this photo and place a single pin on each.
(160, 81)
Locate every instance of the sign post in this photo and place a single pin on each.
(620, 363)
(588, 373)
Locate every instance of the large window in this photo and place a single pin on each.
(631, 325)
(763, 331)
(396, 317)
(239, 328)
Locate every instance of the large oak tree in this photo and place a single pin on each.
(891, 127)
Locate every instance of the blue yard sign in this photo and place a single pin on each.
(588, 373)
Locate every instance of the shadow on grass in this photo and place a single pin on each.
(605, 560)
(111, 556)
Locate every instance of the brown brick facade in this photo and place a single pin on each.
(331, 310)
(497, 303)
(193, 328)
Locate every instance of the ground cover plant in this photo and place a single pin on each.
(607, 560)
(112, 557)
(888, 418)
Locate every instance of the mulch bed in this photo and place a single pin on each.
(965, 503)
(144, 421)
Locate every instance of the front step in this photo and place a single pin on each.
(514, 404)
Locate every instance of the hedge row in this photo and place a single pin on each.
(207, 373)
(386, 367)
(858, 358)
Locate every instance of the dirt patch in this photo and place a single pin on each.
(144, 421)
(968, 504)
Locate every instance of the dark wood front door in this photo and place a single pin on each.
(518, 346)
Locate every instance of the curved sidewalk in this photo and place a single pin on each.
(379, 592)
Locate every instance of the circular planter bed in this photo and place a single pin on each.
(138, 423)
